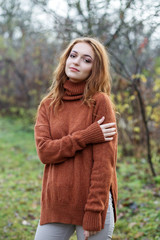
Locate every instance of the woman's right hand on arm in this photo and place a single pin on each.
(108, 129)
(58, 150)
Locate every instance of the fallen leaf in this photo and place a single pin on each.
(139, 234)
(132, 224)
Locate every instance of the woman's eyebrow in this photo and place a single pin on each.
(86, 55)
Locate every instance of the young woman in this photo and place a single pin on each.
(76, 139)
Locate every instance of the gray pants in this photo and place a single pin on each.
(60, 231)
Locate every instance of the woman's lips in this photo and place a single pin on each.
(74, 69)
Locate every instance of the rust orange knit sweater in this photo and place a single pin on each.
(80, 167)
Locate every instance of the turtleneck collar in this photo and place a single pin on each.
(73, 91)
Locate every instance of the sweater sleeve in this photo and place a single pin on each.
(59, 150)
(104, 157)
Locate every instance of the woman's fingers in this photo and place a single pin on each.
(108, 130)
(88, 234)
(100, 121)
(107, 125)
(108, 139)
(109, 134)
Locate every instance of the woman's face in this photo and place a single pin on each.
(79, 62)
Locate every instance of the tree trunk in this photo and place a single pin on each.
(142, 107)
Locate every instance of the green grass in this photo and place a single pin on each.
(20, 189)
(20, 178)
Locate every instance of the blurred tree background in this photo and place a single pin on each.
(33, 34)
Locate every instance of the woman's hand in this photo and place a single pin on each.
(108, 129)
(88, 234)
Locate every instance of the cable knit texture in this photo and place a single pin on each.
(80, 167)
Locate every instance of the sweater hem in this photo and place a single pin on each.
(62, 214)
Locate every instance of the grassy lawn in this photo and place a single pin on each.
(20, 189)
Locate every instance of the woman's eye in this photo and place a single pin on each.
(72, 55)
(87, 60)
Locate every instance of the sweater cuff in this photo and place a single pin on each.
(92, 221)
(93, 134)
